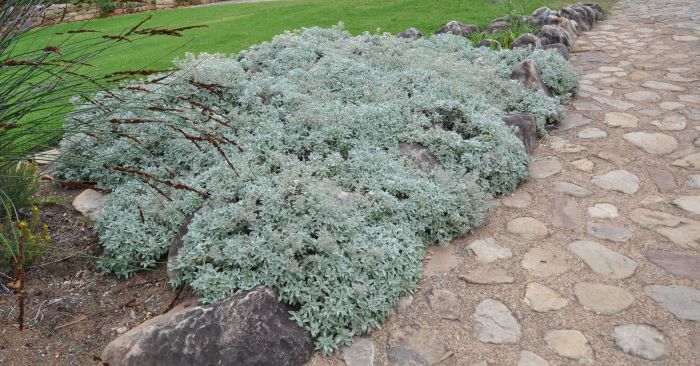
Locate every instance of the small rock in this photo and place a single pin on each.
(495, 323)
(545, 167)
(566, 213)
(528, 75)
(444, 303)
(528, 358)
(122, 330)
(602, 299)
(677, 264)
(617, 180)
(458, 29)
(441, 260)
(602, 260)
(603, 211)
(541, 262)
(688, 203)
(592, 133)
(486, 275)
(643, 96)
(683, 302)
(663, 179)
(569, 343)
(519, 199)
(421, 155)
(542, 299)
(526, 40)
(653, 143)
(527, 228)
(524, 127)
(586, 165)
(360, 352)
(410, 33)
(487, 250)
(621, 119)
(417, 344)
(608, 232)
(90, 203)
(640, 340)
(571, 189)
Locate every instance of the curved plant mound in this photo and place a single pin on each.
(285, 162)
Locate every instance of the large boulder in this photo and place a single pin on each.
(490, 43)
(597, 9)
(248, 328)
(571, 26)
(550, 34)
(421, 155)
(499, 25)
(90, 203)
(526, 40)
(410, 33)
(523, 127)
(527, 74)
(540, 14)
(458, 29)
(576, 15)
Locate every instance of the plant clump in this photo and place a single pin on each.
(285, 162)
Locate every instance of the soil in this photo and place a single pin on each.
(72, 310)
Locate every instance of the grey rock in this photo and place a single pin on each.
(490, 43)
(662, 178)
(573, 120)
(683, 302)
(688, 203)
(527, 228)
(539, 14)
(617, 180)
(487, 274)
(527, 74)
(652, 142)
(487, 250)
(523, 127)
(545, 167)
(541, 262)
(176, 244)
(566, 213)
(602, 260)
(423, 342)
(552, 34)
(499, 25)
(360, 352)
(678, 264)
(90, 203)
(558, 47)
(249, 328)
(526, 40)
(528, 358)
(640, 340)
(571, 189)
(410, 33)
(608, 232)
(458, 29)
(602, 299)
(402, 356)
(542, 299)
(495, 323)
(444, 303)
(569, 343)
(420, 154)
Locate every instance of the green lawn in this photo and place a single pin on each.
(233, 27)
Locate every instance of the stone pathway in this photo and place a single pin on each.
(596, 259)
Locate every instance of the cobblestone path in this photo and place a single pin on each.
(596, 258)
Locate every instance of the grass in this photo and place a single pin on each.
(234, 27)
(231, 28)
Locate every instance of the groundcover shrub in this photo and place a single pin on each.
(285, 161)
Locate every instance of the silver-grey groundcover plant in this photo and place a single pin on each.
(286, 158)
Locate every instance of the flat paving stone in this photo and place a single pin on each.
(643, 96)
(660, 85)
(574, 120)
(444, 303)
(652, 143)
(585, 165)
(673, 123)
(640, 340)
(569, 343)
(681, 301)
(617, 180)
(688, 203)
(487, 274)
(440, 260)
(541, 262)
(527, 228)
(571, 189)
(678, 264)
(423, 342)
(528, 358)
(691, 161)
(693, 181)
(650, 218)
(546, 167)
(592, 133)
(602, 260)
(566, 213)
(608, 232)
(495, 323)
(542, 299)
(603, 211)
(662, 178)
(621, 119)
(519, 199)
(602, 299)
(360, 352)
(487, 250)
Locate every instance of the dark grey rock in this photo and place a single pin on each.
(559, 47)
(526, 40)
(538, 15)
(499, 25)
(677, 264)
(527, 74)
(551, 34)
(177, 244)
(410, 33)
(523, 127)
(402, 356)
(248, 328)
(571, 26)
(458, 29)
(490, 43)
(597, 9)
(420, 154)
(571, 13)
